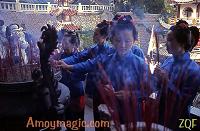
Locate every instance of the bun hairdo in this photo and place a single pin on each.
(187, 36)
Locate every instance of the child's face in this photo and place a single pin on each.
(67, 46)
(123, 41)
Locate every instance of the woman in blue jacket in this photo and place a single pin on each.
(178, 78)
(74, 81)
(101, 46)
(125, 72)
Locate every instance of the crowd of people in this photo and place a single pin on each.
(17, 45)
(113, 71)
(118, 75)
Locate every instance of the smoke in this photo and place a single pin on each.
(139, 11)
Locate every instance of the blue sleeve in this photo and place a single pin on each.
(185, 86)
(78, 57)
(138, 52)
(87, 66)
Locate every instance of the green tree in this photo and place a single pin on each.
(154, 6)
(122, 6)
(140, 6)
(169, 9)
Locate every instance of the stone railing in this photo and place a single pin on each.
(94, 8)
(45, 8)
(25, 7)
(8, 6)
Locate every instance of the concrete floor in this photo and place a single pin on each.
(89, 117)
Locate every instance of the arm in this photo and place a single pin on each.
(78, 57)
(83, 67)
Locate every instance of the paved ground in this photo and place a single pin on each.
(89, 117)
(89, 113)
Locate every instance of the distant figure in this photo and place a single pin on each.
(3, 40)
(32, 51)
(2, 28)
(17, 44)
(3, 43)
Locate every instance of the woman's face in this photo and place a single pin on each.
(173, 47)
(123, 41)
(97, 37)
(67, 46)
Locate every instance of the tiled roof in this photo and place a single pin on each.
(71, 27)
(67, 12)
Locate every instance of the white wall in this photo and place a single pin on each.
(193, 6)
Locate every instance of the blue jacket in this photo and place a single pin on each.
(184, 80)
(89, 53)
(138, 51)
(93, 52)
(73, 80)
(129, 70)
(86, 54)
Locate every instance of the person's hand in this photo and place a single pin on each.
(108, 89)
(62, 64)
(53, 63)
(122, 94)
(160, 73)
(56, 55)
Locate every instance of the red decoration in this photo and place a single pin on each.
(71, 27)
(69, 12)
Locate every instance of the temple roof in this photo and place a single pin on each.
(71, 27)
(67, 12)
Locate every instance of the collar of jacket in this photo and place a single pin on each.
(183, 57)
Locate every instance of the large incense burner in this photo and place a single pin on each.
(28, 88)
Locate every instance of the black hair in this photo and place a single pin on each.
(125, 22)
(182, 21)
(8, 32)
(104, 27)
(187, 36)
(75, 40)
(23, 25)
(116, 17)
